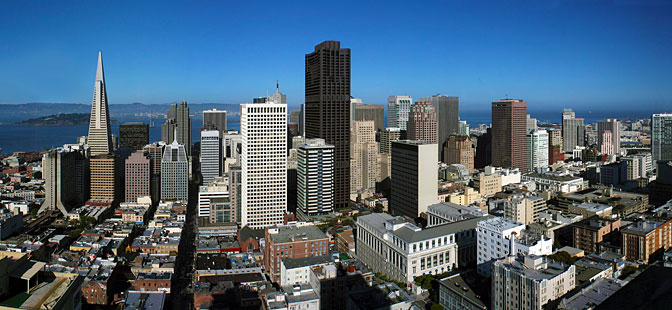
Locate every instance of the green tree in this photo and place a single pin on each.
(436, 307)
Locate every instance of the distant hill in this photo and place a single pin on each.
(58, 120)
(13, 113)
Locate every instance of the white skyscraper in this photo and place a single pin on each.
(537, 149)
(174, 172)
(398, 108)
(211, 157)
(263, 127)
(100, 138)
(573, 131)
(315, 177)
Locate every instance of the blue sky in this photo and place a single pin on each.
(596, 54)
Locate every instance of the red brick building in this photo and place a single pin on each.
(646, 237)
(292, 241)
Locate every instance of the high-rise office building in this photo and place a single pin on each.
(134, 135)
(555, 153)
(363, 168)
(211, 155)
(327, 109)
(60, 175)
(100, 137)
(483, 156)
(174, 172)
(217, 189)
(235, 191)
(215, 119)
(294, 117)
(422, 123)
(302, 121)
(398, 108)
(459, 150)
(264, 163)
(447, 111)
(509, 139)
(155, 155)
(104, 179)
(277, 97)
(315, 177)
(386, 137)
(414, 177)
(573, 131)
(537, 149)
(178, 123)
(463, 128)
(370, 112)
(137, 176)
(531, 123)
(661, 136)
(613, 126)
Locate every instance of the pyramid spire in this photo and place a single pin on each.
(100, 76)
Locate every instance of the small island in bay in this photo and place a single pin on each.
(58, 120)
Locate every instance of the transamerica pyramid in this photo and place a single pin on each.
(100, 139)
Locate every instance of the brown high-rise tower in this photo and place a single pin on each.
(509, 122)
(327, 109)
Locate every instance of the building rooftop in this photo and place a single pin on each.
(652, 289)
(534, 267)
(553, 177)
(594, 294)
(457, 284)
(643, 226)
(293, 233)
(306, 261)
(379, 297)
(499, 223)
(593, 207)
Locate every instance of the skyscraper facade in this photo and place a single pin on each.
(327, 109)
(58, 172)
(414, 177)
(215, 119)
(315, 177)
(398, 108)
(363, 167)
(386, 137)
(155, 155)
(537, 149)
(573, 131)
(614, 145)
(422, 123)
(264, 164)
(509, 138)
(555, 153)
(370, 112)
(104, 179)
(661, 136)
(178, 123)
(100, 137)
(211, 155)
(174, 172)
(447, 117)
(134, 135)
(137, 176)
(459, 150)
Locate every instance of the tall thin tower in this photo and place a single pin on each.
(100, 138)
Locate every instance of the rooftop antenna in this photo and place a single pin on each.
(277, 86)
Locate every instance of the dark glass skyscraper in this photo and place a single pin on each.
(327, 109)
(509, 137)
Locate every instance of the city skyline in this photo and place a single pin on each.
(556, 58)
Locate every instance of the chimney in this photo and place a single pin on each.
(512, 244)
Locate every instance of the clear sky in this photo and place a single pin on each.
(553, 54)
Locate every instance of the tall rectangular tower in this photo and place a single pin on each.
(211, 155)
(661, 136)
(100, 138)
(174, 172)
(315, 177)
(398, 108)
(327, 109)
(363, 165)
(263, 127)
(414, 177)
(612, 126)
(573, 131)
(509, 137)
(178, 119)
(216, 119)
(537, 149)
(422, 123)
(447, 117)
(137, 176)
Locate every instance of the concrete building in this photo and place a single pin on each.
(104, 179)
(137, 176)
(100, 137)
(403, 251)
(211, 155)
(414, 177)
(217, 189)
(529, 282)
(370, 112)
(524, 210)
(555, 152)
(134, 134)
(386, 137)
(459, 149)
(509, 147)
(587, 234)
(588, 209)
(498, 237)
(531, 123)
(387, 296)
(661, 136)
(292, 241)
(155, 154)
(327, 109)
(422, 123)
(363, 165)
(554, 183)
(315, 177)
(174, 172)
(488, 184)
(456, 294)
(398, 109)
(573, 131)
(447, 111)
(65, 174)
(537, 149)
(645, 237)
(178, 126)
(613, 128)
(215, 119)
(264, 164)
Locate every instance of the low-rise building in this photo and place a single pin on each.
(588, 233)
(384, 296)
(588, 209)
(456, 294)
(556, 183)
(646, 236)
(292, 241)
